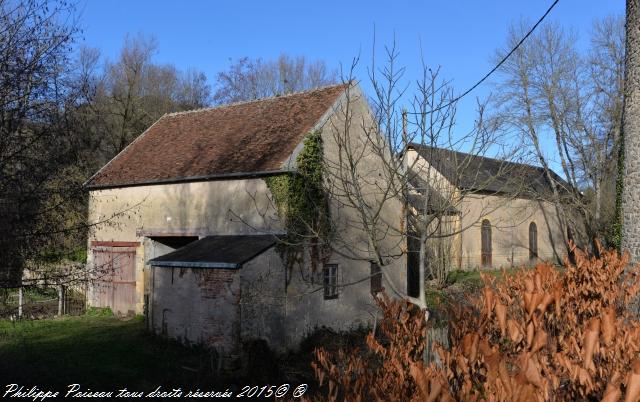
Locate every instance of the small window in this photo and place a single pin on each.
(330, 281)
(376, 278)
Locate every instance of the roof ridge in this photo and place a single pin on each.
(478, 156)
(268, 98)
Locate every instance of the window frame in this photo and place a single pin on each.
(330, 281)
(376, 278)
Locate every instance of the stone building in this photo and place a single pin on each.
(195, 223)
(496, 213)
(190, 232)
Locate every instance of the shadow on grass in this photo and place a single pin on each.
(99, 353)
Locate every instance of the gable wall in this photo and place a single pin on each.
(355, 306)
(431, 175)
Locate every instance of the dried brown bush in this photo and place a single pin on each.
(539, 335)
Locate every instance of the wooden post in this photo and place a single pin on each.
(60, 300)
(20, 301)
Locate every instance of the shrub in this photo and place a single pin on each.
(537, 335)
(99, 312)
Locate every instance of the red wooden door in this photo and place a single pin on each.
(115, 281)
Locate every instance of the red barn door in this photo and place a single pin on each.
(114, 283)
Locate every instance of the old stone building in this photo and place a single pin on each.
(189, 225)
(496, 213)
(217, 225)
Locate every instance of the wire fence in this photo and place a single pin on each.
(39, 302)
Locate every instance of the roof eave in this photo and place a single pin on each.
(194, 264)
(212, 177)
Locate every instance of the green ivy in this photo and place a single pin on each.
(301, 201)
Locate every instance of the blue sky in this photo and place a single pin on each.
(460, 36)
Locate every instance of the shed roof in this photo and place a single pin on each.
(217, 252)
(475, 172)
(238, 139)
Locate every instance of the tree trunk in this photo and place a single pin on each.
(631, 128)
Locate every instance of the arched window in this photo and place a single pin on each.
(485, 257)
(533, 242)
(570, 250)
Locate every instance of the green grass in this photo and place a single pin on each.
(98, 352)
(472, 277)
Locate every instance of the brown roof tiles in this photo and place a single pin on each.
(236, 139)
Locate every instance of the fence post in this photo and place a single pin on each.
(20, 302)
(60, 300)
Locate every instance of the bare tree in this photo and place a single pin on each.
(550, 93)
(60, 122)
(631, 127)
(34, 58)
(249, 79)
(124, 97)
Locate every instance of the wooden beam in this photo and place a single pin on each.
(95, 243)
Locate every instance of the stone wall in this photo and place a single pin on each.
(242, 207)
(630, 233)
(197, 306)
(263, 301)
(510, 219)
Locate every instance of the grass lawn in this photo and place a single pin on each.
(472, 277)
(98, 352)
(106, 353)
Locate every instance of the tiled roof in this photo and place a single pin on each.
(479, 173)
(242, 138)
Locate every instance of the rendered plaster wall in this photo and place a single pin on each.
(307, 309)
(199, 306)
(204, 208)
(221, 308)
(510, 220)
(185, 209)
(262, 301)
(509, 217)
(355, 306)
